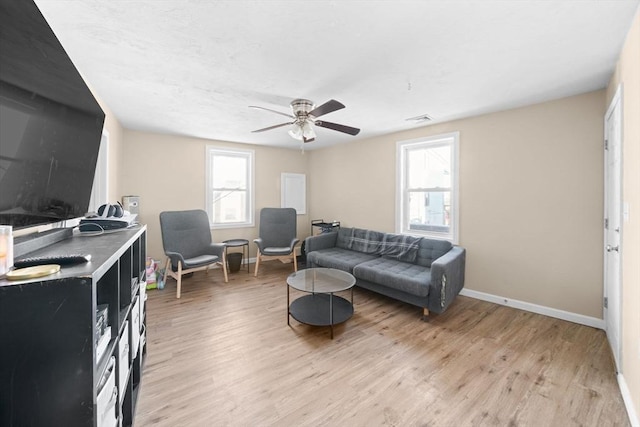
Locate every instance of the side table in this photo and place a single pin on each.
(236, 243)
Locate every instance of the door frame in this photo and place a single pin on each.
(616, 347)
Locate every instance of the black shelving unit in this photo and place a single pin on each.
(323, 226)
(50, 372)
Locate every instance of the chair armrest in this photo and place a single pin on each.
(294, 242)
(175, 257)
(321, 241)
(447, 279)
(258, 242)
(216, 249)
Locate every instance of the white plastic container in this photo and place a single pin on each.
(6, 249)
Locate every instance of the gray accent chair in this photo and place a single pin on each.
(186, 238)
(278, 231)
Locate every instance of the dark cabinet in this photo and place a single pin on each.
(57, 367)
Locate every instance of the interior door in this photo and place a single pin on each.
(613, 224)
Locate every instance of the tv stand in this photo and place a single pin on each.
(58, 363)
(32, 242)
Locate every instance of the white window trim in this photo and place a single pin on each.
(250, 155)
(401, 146)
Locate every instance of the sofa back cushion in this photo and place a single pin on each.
(431, 249)
(344, 237)
(365, 241)
(400, 246)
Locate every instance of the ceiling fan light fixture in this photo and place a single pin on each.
(296, 132)
(307, 131)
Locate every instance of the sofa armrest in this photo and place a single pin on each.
(447, 279)
(321, 241)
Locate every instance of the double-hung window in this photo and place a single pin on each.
(230, 186)
(427, 181)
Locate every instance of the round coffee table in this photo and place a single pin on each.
(320, 307)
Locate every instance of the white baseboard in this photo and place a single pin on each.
(534, 308)
(628, 402)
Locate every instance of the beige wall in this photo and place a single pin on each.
(627, 74)
(531, 198)
(168, 173)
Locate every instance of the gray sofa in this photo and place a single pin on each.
(427, 273)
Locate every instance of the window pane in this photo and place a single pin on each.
(429, 167)
(229, 206)
(229, 172)
(430, 211)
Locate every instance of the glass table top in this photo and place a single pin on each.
(321, 280)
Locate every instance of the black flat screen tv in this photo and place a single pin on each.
(50, 123)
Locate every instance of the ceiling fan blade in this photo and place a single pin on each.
(273, 127)
(308, 139)
(273, 111)
(339, 128)
(326, 108)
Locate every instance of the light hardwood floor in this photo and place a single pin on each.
(223, 355)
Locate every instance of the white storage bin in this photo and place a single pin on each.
(135, 328)
(123, 360)
(143, 302)
(143, 338)
(107, 397)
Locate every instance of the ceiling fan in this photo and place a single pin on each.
(305, 114)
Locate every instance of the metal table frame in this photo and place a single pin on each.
(319, 308)
(236, 243)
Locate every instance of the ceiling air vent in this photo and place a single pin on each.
(421, 118)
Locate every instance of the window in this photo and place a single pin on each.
(100, 189)
(230, 187)
(427, 187)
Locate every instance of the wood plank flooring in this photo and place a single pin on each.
(223, 355)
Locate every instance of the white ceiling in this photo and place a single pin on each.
(193, 67)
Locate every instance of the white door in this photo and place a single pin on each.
(613, 223)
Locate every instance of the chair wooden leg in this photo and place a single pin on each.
(179, 278)
(295, 261)
(255, 273)
(224, 268)
(167, 266)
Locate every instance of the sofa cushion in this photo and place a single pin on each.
(342, 259)
(431, 249)
(410, 278)
(366, 241)
(400, 246)
(344, 237)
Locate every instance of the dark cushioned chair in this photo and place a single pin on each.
(278, 229)
(186, 238)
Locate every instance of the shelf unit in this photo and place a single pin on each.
(323, 226)
(50, 373)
